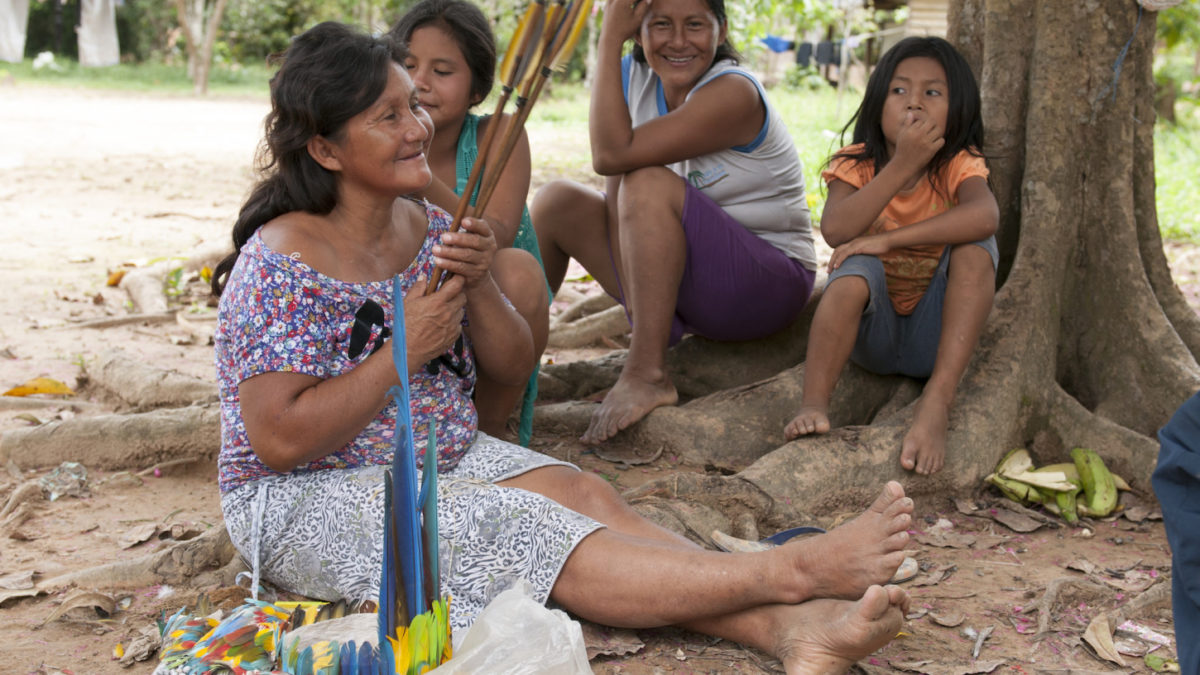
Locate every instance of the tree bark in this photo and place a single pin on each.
(200, 26)
(1089, 342)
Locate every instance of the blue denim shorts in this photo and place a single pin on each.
(890, 343)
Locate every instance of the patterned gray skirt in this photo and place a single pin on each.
(320, 534)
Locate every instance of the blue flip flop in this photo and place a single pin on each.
(784, 535)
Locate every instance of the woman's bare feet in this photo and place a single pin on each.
(845, 561)
(630, 399)
(826, 637)
(924, 446)
(812, 419)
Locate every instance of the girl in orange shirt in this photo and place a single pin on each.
(912, 222)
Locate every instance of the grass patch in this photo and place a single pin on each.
(814, 118)
(1176, 162)
(224, 80)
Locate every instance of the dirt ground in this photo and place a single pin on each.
(91, 183)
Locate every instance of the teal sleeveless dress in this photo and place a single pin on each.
(526, 240)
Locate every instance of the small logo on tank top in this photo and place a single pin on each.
(707, 179)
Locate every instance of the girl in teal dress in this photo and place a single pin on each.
(452, 60)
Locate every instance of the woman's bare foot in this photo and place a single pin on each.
(812, 419)
(924, 446)
(826, 637)
(630, 399)
(845, 561)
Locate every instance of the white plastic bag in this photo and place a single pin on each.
(516, 635)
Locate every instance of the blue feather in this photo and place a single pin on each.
(428, 506)
(367, 663)
(407, 528)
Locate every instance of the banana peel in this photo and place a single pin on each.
(1083, 487)
(1068, 468)
(1099, 487)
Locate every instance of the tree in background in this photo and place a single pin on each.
(200, 21)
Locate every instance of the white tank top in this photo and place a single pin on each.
(761, 184)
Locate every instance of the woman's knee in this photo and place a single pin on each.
(595, 497)
(522, 281)
(652, 186)
(559, 200)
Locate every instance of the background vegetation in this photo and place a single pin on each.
(154, 59)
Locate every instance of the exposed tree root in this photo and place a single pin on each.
(29, 491)
(28, 403)
(113, 321)
(697, 366)
(589, 330)
(144, 286)
(176, 565)
(582, 306)
(13, 520)
(1045, 604)
(140, 386)
(114, 442)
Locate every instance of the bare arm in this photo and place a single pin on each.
(974, 218)
(500, 337)
(849, 212)
(293, 419)
(725, 112)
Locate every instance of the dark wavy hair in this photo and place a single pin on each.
(964, 120)
(725, 50)
(328, 74)
(470, 29)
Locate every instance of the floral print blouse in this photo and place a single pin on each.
(277, 314)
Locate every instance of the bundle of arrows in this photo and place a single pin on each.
(541, 44)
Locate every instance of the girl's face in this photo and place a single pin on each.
(918, 90)
(383, 148)
(439, 71)
(680, 39)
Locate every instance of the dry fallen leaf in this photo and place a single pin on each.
(40, 385)
(946, 540)
(1099, 636)
(102, 603)
(138, 534)
(1014, 521)
(1082, 565)
(949, 619)
(603, 640)
(17, 581)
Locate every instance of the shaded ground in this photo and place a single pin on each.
(90, 182)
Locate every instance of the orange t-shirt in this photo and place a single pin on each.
(909, 270)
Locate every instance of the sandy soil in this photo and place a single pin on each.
(93, 182)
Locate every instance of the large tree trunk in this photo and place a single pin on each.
(1089, 342)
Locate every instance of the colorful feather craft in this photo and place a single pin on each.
(414, 621)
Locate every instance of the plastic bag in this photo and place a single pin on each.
(517, 635)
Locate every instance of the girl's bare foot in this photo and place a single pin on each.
(812, 419)
(924, 447)
(826, 637)
(845, 561)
